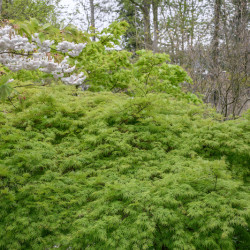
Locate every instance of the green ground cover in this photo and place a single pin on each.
(84, 170)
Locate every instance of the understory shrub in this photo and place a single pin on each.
(84, 170)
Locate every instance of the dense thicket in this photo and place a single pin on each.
(106, 171)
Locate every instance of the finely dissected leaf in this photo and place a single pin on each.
(107, 171)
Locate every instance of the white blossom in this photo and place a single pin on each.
(70, 47)
(15, 54)
(74, 79)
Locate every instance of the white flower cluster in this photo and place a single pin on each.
(10, 41)
(5, 30)
(71, 48)
(44, 47)
(74, 79)
(12, 47)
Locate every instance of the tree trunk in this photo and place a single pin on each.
(192, 25)
(155, 4)
(145, 5)
(92, 16)
(146, 19)
(242, 32)
(1, 4)
(215, 39)
(240, 50)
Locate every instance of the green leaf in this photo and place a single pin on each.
(46, 26)
(34, 23)
(24, 29)
(41, 37)
(5, 91)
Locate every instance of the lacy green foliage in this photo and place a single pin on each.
(106, 171)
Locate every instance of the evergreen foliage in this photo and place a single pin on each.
(84, 170)
(134, 35)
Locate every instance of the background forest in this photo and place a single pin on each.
(209, 38)
(124, 124)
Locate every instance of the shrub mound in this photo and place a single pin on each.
(82, 170)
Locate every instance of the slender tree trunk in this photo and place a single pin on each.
(239, 50)
(92, 16)
(146, 20)
(243, 32)
(155, 4)
(183, 23)
(145, 8)
(217, 86)
(1, 4)
(192, 25)
(215, 39)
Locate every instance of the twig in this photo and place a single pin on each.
(11, 102)
(243, 106)
(15, 53)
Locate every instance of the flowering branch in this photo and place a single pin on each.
(36, 55)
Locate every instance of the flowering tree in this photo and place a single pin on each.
(16, 52)
(31, 46)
